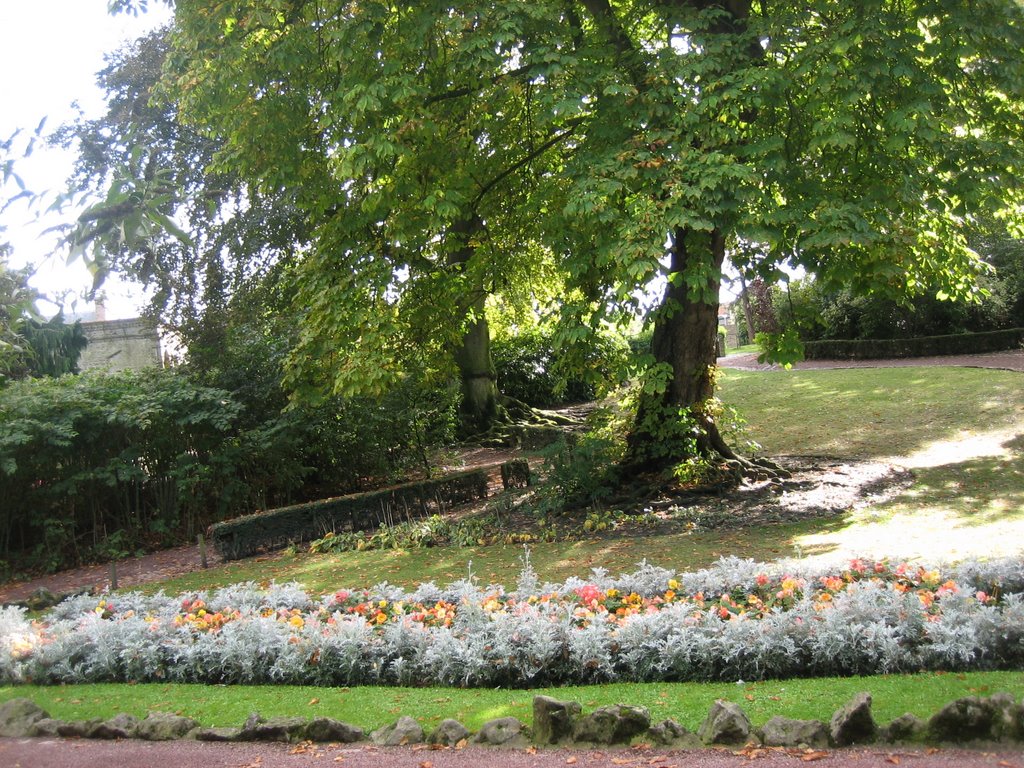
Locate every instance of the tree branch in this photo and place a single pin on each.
(527, 158)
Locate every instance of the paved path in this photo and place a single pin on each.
(1011, 360)
(58, 753)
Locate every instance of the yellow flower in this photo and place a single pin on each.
(297, 622)
(673, 584)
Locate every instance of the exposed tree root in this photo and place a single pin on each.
(522, 426)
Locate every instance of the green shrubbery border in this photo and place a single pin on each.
(246, 535)
(956, 344)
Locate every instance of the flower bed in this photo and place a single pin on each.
(737, 620)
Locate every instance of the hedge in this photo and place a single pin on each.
(247, 535)
(924, 346)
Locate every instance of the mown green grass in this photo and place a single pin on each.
(500, 564)
(960, 430)
(873, 412)
(369, 708)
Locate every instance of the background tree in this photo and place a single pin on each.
(150, 171)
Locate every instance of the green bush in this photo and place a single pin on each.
(530, 367)
(102, 462)
(954, 344)
(275, 528)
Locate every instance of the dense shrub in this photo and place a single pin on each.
(246, 535)
(98, 465)
(530, 367)
(956, 344)
(739, 620)
(95, 463)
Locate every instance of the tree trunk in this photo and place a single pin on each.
(480, 408)
(674, 424)
(748, 313)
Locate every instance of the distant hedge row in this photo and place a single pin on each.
(925, 346)
(245, 536)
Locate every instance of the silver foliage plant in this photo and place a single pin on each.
(532, 635)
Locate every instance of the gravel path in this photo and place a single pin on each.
(58, 753)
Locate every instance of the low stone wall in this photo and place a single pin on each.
(997, 718)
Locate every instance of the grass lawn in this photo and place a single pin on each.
(370, 708)
(961, 431)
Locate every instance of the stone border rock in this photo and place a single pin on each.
(997, 718)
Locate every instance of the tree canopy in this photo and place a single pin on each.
(440, 149)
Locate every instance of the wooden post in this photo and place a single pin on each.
(202, 552)
(113, 575)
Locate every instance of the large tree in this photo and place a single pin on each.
(645, 139)
(144, 170)
(414, 153)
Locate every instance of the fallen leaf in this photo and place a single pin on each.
(313, 701)
(892, 759)
(426, 764)
(461, 743)
(570, 760)
(749, 697)
(656, 760)
(812, 756)
(622, 761)
(531, 750)
(339, 759)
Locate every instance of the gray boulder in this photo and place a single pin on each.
(854, 723)
(217, 734)
(554, 720)
(906, 727)
(47, 728)
(282, 729)
(784, 732)
(448, 733)
(163, 726)
(972, 718)
(120, 726)
(404, 731)
(726, 723)
(329, 729)
(503, 732)
(617, 724)
(669, 733)
(17, 716)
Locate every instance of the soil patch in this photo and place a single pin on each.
(818, 487)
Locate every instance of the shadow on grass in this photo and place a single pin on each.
(979, 489)
(871, 412)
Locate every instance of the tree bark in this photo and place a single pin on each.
(480, 408)
(674, 424)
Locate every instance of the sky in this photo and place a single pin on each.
(50, 52)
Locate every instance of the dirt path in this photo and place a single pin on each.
(58, 753)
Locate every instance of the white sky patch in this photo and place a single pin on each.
(50, 52)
